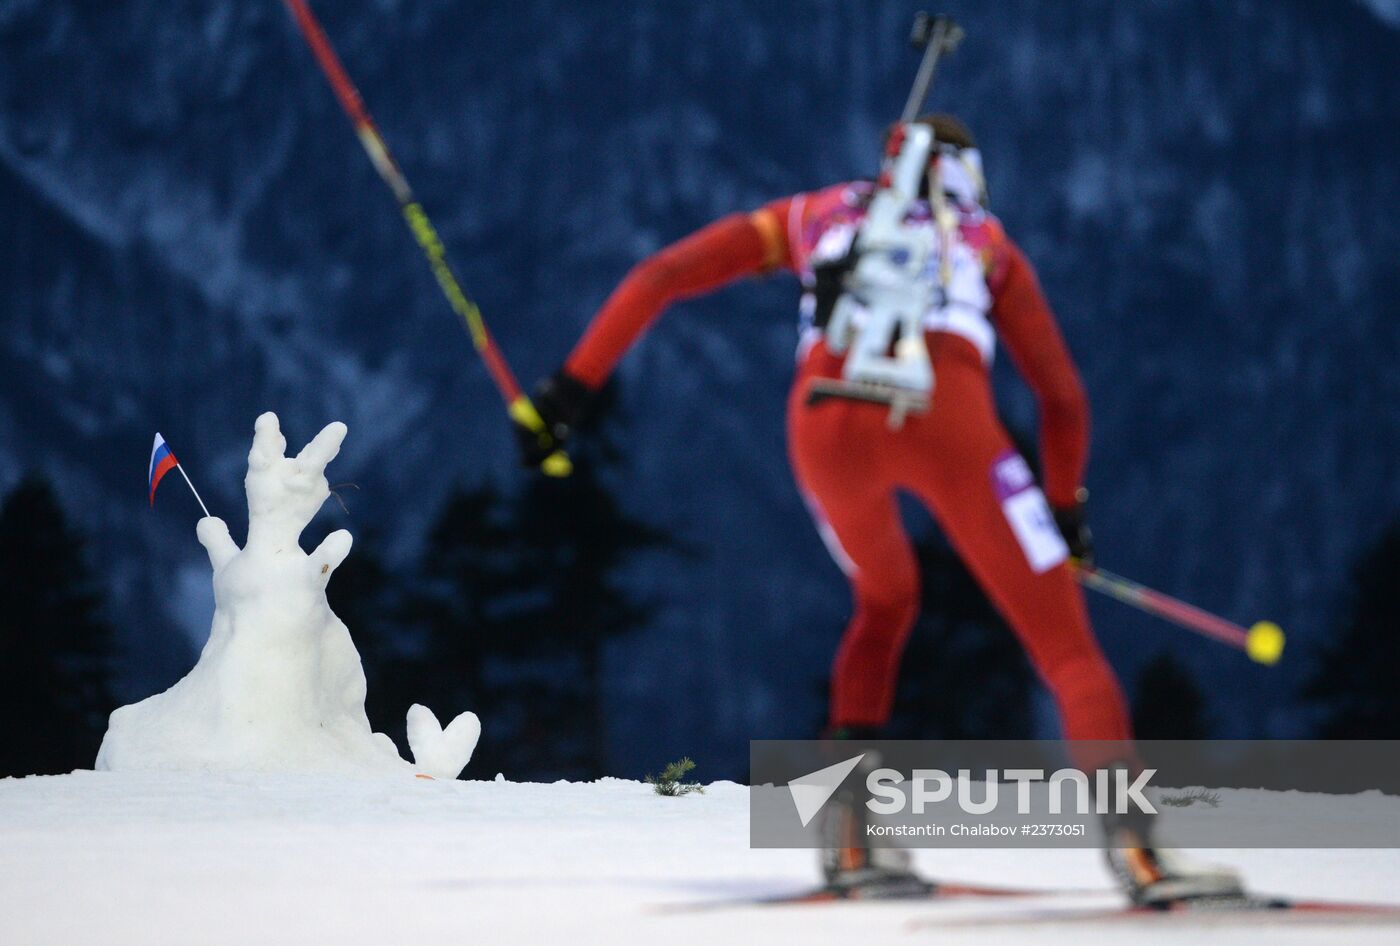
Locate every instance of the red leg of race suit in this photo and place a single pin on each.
(850, 465)
(842, 471)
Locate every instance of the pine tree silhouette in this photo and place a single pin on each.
(516, 598)
(1355, 680)
(578, 537)
(368, 597)
(463, 610)
(55, 649)
(1169, 704)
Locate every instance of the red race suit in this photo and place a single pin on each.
(956, 457)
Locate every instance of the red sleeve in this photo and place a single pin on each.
(1026, 325)
(735, 246)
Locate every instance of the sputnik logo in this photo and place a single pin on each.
(813, 790)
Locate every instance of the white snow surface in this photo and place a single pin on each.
(279, 686)
(149, 858)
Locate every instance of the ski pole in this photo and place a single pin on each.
(1262, 642)
(518, 404)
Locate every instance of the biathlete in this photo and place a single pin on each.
(871, 415)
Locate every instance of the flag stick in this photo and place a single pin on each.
(193, 490)
(1262, 642)
(518, 404)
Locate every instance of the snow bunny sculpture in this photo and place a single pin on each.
(279, 685)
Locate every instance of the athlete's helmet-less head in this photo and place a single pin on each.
(955, 162)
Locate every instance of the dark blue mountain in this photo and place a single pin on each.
(192, 236)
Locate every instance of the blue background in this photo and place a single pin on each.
(191, 236)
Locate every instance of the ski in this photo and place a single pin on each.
(923, 893)
(1246, 910)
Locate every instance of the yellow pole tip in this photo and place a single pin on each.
(557, 465)
(1264, 643)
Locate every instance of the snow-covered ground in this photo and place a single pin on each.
(149, 859)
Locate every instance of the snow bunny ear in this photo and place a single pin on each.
(330, 553)
(269, 445)
(317, 454)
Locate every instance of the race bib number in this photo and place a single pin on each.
(1027, 512)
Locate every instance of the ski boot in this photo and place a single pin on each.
(851, 868)
(1162, 878)
(854, 871)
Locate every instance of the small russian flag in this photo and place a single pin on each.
(162, 462)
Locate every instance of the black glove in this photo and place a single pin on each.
(562, 402)
(1073, 523)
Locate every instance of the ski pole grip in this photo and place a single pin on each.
(523, 411)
